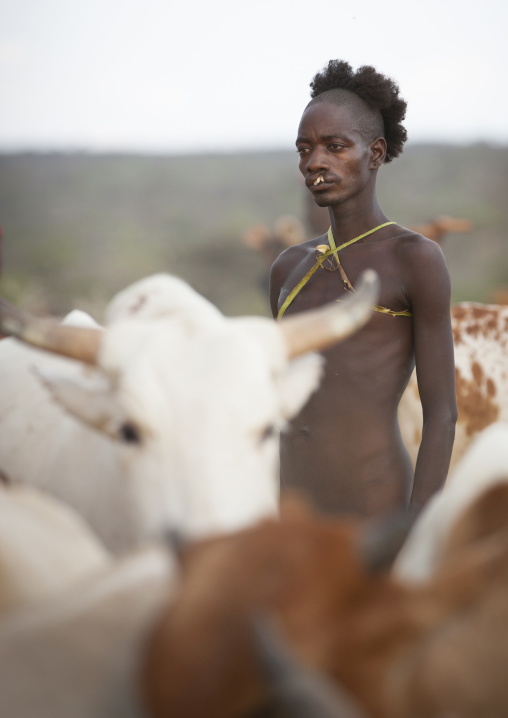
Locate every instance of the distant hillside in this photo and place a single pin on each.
(79, 227)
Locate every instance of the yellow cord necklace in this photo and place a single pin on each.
(324, 252)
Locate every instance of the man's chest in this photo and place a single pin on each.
(308, 285)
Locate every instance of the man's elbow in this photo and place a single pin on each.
(445, 417)
(449, 416)
(452, 415)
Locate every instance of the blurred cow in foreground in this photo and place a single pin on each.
(74, 622)
(73, 619)
(172, 411)
(438, 648)
(484, 465)
(46, 548)
(262, 622)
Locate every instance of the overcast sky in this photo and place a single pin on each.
(161, 75)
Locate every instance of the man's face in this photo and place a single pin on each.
(334, 158)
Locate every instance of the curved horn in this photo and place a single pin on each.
(317, 329)
(297, 690)
(75, 342)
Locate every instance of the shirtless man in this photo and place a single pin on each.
(345, 449)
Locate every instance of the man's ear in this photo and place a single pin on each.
(378, 153)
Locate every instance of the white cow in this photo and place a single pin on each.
(485, 464)
(480, 335)
(80, 648)
(184, 407)
(73, 619)
(46, 548)
(78, 653)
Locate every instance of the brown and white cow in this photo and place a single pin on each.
(484, 465)
(437, 649)
(480, 336)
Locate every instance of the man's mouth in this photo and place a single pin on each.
(318, 183)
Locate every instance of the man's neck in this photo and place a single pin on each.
(349, 222)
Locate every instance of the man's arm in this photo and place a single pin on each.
(435, 369)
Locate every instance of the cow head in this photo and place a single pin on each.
(196, 400)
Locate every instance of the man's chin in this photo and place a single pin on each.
(322, 201)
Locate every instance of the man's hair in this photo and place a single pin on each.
(378, 92)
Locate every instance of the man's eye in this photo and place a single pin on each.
(302, 150)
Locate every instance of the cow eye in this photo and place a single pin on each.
(130, 433)
(268, 432)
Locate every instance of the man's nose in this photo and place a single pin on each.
(316, 160)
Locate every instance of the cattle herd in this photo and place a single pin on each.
(149, 567)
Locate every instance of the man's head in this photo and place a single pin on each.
(372, 97)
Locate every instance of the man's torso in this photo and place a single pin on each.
(345, 448)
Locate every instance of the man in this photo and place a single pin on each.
(345, 447)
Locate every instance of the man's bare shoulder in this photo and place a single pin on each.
(294, 254)
(424, 273)
(414, 247)
(286, 263)
(292, 257)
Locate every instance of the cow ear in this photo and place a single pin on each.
(86, 395)
(300, 379)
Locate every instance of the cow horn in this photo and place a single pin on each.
(296, 690)
(74, 342)
(317, 329)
